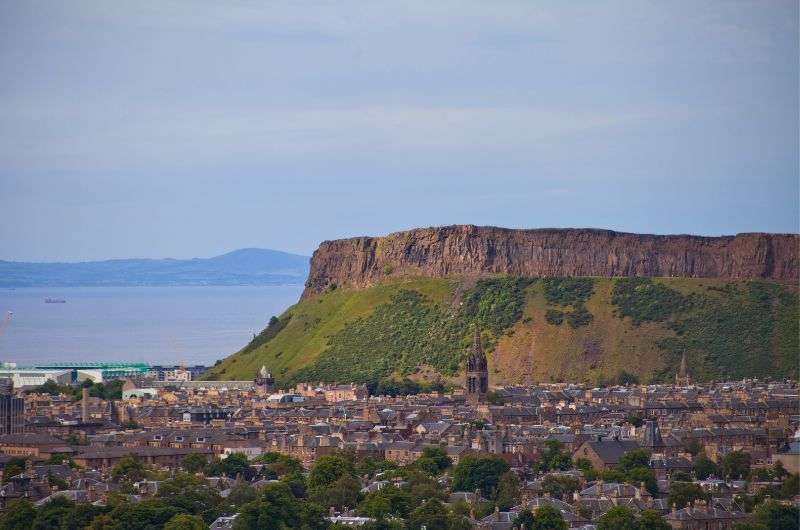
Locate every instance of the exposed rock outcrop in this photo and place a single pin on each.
(468, 250)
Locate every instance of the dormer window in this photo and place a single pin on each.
(179, 438)
(201, 439)
(157, 437)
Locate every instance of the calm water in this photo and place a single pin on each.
(149, 324)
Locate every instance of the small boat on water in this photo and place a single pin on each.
(54, 301)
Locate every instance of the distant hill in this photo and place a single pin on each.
(248, 266)
(553, 305)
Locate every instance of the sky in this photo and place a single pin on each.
(191, 128)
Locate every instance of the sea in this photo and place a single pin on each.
(156, 325)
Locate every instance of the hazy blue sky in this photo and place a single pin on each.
(191, 128)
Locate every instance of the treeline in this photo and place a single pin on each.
(108, 391)
(412, 496)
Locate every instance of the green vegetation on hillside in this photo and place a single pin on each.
(742, 329)
(421, 328)
(273, 328)
(644, 300)
(412, 331)
(572, 292)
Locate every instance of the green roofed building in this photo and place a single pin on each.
(99, 371)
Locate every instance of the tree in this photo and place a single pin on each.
(680, 476)
(644, 475)
(432, 515)
(474, 472)
(183, 521)
(102, 522)
(328, 469)
(652, 520)
(375, 505)
(776, 516)
(560, 486)
(704, 467)
(790, 486)
(683, 493)
(633, 459)
(192, 495)
(613, 475)
(194, 463)
(344, 492)
(626, 378)
(277, 509)
(694, 447)
(553, 458)
(422, 487)
(736, 465)
(52, 513)
(617, 518)
(279, 465)
(145, 515)
(385, 502)
(435, 459)
(241, 493)
(234, 465)
(129, 469)
(524, 520)
(508, 490)
(780, 470)
(13, 467)
(370, 466)
(749, 525)
(548, 518)
(634, 420)
(585, 465)
(18, 516)
(82, 515)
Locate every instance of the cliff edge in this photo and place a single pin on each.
(467, 250)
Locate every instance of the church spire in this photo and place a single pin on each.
(476, 341)
(477, 373)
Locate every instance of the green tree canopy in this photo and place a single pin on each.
(618, 518)
(704, 467)
(560, 486)
(328, 469)
(18, 516)
(683, 493)
(479, 472)
(192, 495)
(194, 462)
(776, 516)
(508, 490)
(633, 459)
(736, 465)
(183, 521)
(432, 515)
(652, 520)
(145, 515)
(277, 509)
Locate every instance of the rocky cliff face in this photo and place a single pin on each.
(467, 250)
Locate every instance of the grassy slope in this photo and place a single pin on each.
(532, 350)
(313, 321)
